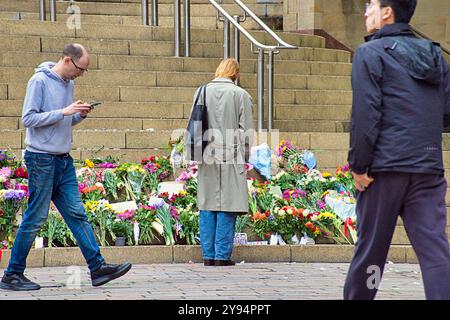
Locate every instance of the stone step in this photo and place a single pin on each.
(332, 148)
(155, 63)
(152, 254)
(93, 122)
(163, 21)
(134, 9)
(52, 46)
(183, 94)
(180, 79)
(110, 109)
(123, 32)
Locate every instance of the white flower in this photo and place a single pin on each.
(290, 211)
(314, 218)
(281, 212)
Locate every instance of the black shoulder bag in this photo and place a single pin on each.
(197, 126)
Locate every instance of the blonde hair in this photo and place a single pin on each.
(228, 68)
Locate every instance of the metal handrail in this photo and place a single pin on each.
(262, 50)
(247, 11)
(247, 34)
(422, 35)
(42, 10)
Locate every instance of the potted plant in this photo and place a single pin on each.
(123, 231)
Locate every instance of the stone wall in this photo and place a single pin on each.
(344, 19)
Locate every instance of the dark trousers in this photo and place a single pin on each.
(420, 200)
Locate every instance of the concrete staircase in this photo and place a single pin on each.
(147, 93)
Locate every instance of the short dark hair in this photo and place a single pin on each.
(73, 51)
(403, 9)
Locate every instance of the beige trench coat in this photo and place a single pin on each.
(222, 183)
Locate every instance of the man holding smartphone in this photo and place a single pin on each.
(48, 115)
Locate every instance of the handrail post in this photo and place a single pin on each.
(52, 10)
(154, 13)
(187, 28)
(177, 27)
(260, 89)
(42, 12)
(144, 11)
(226, 38)
(237, 45)
(270, 87)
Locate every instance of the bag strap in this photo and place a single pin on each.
(198, 94)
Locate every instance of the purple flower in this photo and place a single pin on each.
(174, 212)
(150, 167)
(107, 165)
(158, 204)
(287, 194)
(2, 156)
(15, 194)
(163, 175)
(321, 204)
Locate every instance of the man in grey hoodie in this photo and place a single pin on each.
(48, 115)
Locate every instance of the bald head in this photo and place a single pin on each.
(75, 51)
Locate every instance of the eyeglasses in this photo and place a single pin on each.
(78, 68)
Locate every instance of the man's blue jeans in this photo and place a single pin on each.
(217, 234)
(53, 178)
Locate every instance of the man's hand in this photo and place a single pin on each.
(362, 181)
(78, 106)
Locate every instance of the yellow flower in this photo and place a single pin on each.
(326, 215)
(317, 232)
(326, 175)
(88, 163)
(2, 194)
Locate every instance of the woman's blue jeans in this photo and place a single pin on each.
(53, 178)
(217, 234)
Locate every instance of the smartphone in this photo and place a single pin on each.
(94, 104)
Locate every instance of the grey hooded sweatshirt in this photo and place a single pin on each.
(48, 131)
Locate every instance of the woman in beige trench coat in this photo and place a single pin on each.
(222, 183)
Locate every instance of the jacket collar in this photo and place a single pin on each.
(222, 80)
(389, 30)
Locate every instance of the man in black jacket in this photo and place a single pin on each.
(401, 104)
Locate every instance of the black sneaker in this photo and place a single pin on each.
(108, 272)
(18, 282)
(222, 263)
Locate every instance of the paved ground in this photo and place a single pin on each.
(254, 281)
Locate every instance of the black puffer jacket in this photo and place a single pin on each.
(401, 103)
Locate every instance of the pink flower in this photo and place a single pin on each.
(248, 166)
(5, 172)
(126, 215)
(81, 186)
(184, 176)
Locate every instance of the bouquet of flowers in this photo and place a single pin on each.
(164, 218)
(133, 177)
(189, 222)
(288, 222)
(159, 166)
(101, 216)
(10, 202)
(56, 231)
(94, 193)
(123, 226)
(145, 216)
